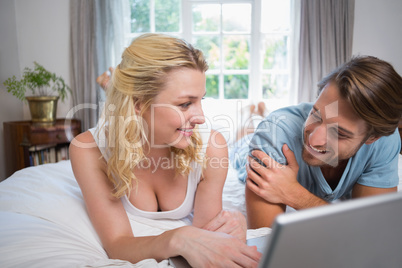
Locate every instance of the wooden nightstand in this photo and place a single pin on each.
(27, 144)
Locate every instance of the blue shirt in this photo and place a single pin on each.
(374, 165)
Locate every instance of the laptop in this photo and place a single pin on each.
(358, 233)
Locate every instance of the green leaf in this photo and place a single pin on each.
(39, 81)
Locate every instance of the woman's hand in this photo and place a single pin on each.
(103, 79)
(229, 222)
(202, 248)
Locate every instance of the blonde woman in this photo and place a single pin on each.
(151, 160)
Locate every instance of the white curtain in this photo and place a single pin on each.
(112, 22)
(295, 6)
(83, 62)
(326, 34)
(97, 42)
(321, 39)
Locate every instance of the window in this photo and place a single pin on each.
(246, 43)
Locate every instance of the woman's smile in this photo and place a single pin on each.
(186, 131)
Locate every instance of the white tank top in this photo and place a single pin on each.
(193, 179)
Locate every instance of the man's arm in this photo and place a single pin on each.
(363, 191)
(271, 188)
(261, 213)
(382, 171)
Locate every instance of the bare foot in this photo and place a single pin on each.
(261, 109)
(103, 79)
(252, 109)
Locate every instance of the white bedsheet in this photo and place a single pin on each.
(44, 223)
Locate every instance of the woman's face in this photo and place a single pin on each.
(176, 110)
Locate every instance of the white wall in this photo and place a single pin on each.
(39, 31)
(30, 31)
(10, 107)
(378, 30)
(43, 31)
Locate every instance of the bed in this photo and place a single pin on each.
(44, 223)
(43, 220)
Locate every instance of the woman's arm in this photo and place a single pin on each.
(107, 212)
(208, 199)
(200, 247)
(208, 213)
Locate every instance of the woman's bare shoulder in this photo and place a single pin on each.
(86, 158)
(84, 140)
(86, 137)
(83, 148)
(217, 144)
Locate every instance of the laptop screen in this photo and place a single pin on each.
(365, 232)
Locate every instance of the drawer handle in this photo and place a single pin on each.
(58, 136)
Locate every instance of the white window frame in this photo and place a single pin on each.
(255, 71)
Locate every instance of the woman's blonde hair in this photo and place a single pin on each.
(138, 79)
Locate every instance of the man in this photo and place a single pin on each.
(345, 145)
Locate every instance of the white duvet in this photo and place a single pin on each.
(44, 223)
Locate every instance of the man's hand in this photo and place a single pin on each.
(275, 182)
(229, 222)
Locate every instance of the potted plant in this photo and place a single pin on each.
(43, 85)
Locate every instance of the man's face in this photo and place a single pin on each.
(333, 132)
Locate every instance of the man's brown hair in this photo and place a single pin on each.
(373, 88)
